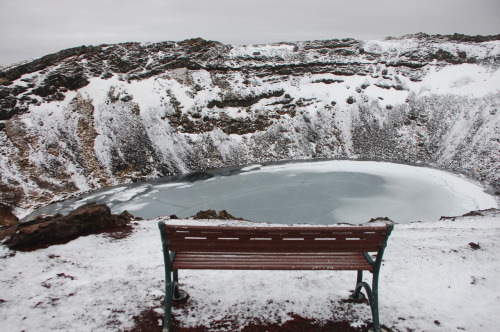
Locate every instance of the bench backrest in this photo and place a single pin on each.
(186, 238)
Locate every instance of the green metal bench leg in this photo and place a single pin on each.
(172, 293)
(169, 293)
(356, 295)
(372, 299)
(371, 292)
(177, 294)
(176, 285)
(168, 306)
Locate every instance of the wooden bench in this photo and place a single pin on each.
(274, 248)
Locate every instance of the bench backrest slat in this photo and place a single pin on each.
(275, 239)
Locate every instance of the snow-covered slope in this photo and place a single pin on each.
(90, 117)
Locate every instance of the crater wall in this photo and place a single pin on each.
(97, 116)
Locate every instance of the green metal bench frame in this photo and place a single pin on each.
(274, 248)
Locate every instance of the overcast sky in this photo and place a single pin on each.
(33, 28)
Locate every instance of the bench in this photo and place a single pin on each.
(274, 248)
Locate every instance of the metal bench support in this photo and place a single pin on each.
(172, 291)
(372, 292)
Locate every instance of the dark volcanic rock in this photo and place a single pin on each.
(243, 101)
(474, 246)
(45, 231)
(70, 80)
(211, 214)
(44, 62)
(381, 219)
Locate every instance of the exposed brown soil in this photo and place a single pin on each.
(7, 217)
(148, 321)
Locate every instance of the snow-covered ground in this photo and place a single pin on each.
(432, 279)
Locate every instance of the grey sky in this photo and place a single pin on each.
(33, 28)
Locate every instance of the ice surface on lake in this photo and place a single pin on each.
(310, 192)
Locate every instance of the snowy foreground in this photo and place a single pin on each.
(434, 279)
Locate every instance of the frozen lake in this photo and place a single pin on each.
(321, 192)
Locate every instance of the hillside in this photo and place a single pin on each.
(96, 116)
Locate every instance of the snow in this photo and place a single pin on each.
(251, 168)
(465, 79)
(388, 96)
(97, 283)
(235, 112)
(97, 90)
(263, 50)
(128, 195)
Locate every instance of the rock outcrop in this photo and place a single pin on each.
(7, 217)
(96, 116)
(212, 214)
(45, 231)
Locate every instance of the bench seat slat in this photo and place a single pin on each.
(277, 242)
(259, 266)
(281, 261)
(277, 233)
(275, 239)
(274, 246)
(332, 234)
(269, 237)
(281, 232)
(281, 229)
(282, 256)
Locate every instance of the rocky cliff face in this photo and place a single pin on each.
(96, 116)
